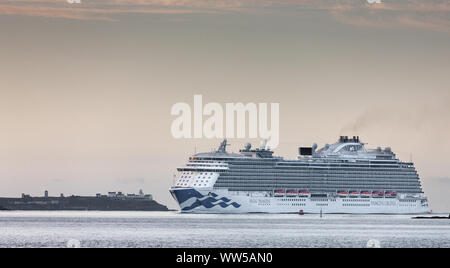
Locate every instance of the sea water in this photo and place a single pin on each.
(172, 229)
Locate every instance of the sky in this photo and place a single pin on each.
(86, 89)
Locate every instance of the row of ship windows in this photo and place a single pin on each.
(322, 190)
(267, 165)
(317, 181)
(328, 185)
(388, 161)
(199, 177)
(197, 170)
(231, 160)
(187, 181)
(301, 204)
(291, 204)
(320, 175)
(314, 175)
(205, 165)
(321, 161)
(263, 175)
(325, 205)
(318, 169)
(317, 175)
(349, 167)
(312, 185)
(304, 200)
(319, 186)
(324, 170)
(393, 165)
(328, 200)
(201, 173)
(185, 184)
(196, 174)
(304, 186)
(339, 169)
(237, 189)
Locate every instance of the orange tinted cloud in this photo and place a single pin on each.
(91, 11)
(433, 15)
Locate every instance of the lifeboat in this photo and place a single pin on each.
(377, 193)
(342, 193)
(291, 193)
(391, 194)
(366, 194)
(354, 193)
(279, 193)
(303, 193)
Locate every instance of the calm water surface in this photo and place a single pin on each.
(171, 229)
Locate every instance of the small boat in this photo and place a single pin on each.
(279, 193)
(366, 194)
(354, 193)
(378, 194)
(391, 194)
(291, 193)
(342, 193)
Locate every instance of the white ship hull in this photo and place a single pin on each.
(192, 200)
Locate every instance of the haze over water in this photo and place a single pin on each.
(172, 229)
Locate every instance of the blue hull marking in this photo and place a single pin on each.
(211, 200)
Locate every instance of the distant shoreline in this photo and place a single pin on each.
(80, 210)
(80, 203)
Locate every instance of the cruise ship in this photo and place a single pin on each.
(343, 177)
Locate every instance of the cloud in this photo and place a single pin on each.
(433, 15)
(54, 9)
(426, 15)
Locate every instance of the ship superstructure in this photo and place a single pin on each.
(343, 177)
